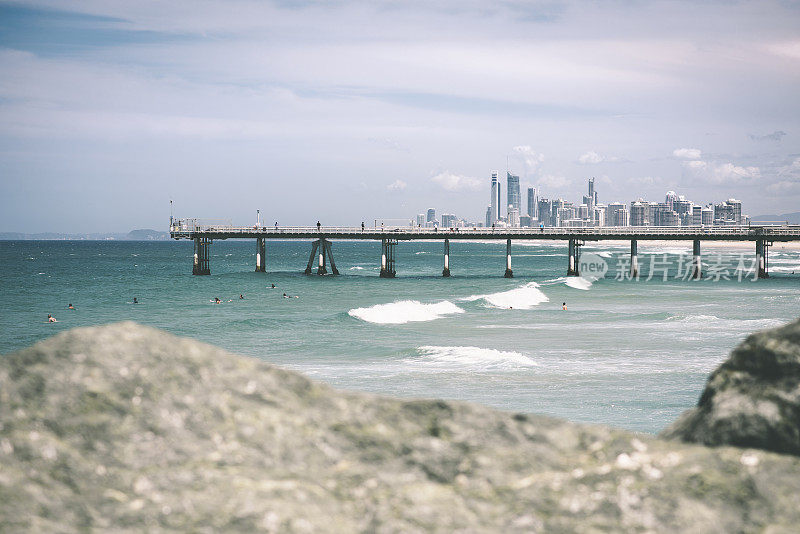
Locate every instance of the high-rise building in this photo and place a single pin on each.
(513, 216)
(697, 215)
(671, 198)
(532, 207)
(449, 220)
(432, 215)
(612, 214)
(512, 187)
(545, 210)
(728, 212)
(622, 217)
(639, 213)
(420, 219)
(707, 216)
(600, 214)
(488, 216)
(558, 212)
(494, 200)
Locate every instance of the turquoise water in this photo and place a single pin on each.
(629, 354)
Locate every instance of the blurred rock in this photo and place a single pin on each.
(752, 399)
(126, 428)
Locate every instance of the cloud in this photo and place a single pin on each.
(456, 182)
(774, 136)
(720, 173)
(687, 153)
(592, 157)
(784, 187)
(789, 49)
(793, 169)
(645, 180)
(397, 185)
(728, 172)
(532, 159)
(553, 181)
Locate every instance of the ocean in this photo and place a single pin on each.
(633, 354)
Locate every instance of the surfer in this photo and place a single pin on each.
(135, 300)
(241, 297)
(564, 306)
(70, 306)
(51, 319)
(273, 286)
(217, 301)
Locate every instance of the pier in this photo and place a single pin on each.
(204, 234)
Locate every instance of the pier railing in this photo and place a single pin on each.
(187, 228)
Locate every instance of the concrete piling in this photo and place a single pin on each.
(509, 273)
(634, 259)
(696, 261)
(446, 270)
(261, 256)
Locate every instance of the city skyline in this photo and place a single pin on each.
(350, 111)
(676, 210)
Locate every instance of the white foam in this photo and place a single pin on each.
(474, 357)
(578, 282)
(521, 298)
(356, 268)
(405, 311)
(693, 318)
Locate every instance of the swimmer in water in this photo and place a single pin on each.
(564, 306)
(70, 306)
(286, 296)
(51, 319)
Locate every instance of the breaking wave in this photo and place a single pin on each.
(405, 311)
(472, 357)
(579, 282)
(521, 298)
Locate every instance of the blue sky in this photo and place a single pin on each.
(347, 111)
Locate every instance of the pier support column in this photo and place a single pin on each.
(329, 256)
(387, 258)
(261, 256)
(202, 264)
(446, 270)
(762, 258)
(321, 266)
(572, 267)
(322, 252)
(696, 261)
(314, 247)
(509, 272)
(634, 259)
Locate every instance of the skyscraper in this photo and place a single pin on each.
(431, 215)
(512, 186)
(494, 200)
(532, 203)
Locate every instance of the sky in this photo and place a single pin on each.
(348, 111)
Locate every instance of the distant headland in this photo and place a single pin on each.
(133, 235)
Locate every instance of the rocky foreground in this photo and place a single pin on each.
(128, 428)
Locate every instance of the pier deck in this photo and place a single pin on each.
(204, 234)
